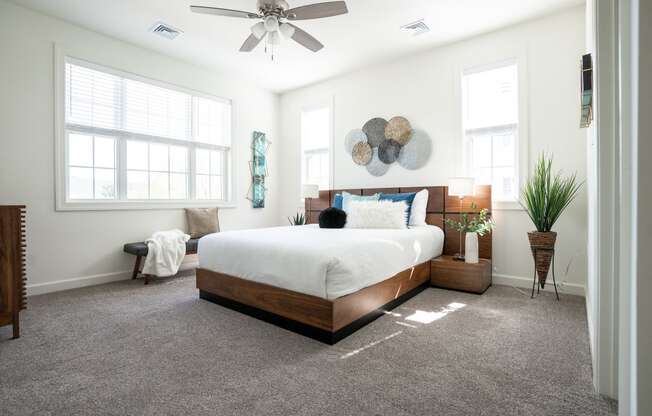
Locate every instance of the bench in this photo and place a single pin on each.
(140, 250)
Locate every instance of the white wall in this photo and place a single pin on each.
(591, 188)
(425, 88)
(643, 167)
(71, 245)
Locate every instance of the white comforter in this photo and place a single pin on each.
(327, 263)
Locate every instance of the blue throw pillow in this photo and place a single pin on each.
(407, 197)
(337, 201)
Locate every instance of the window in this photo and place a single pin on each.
(131, 142)
(315, 143)
(491, 126)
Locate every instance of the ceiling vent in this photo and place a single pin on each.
(416, 28)
(165, 30)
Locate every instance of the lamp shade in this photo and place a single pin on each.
(259, 30)
(310, 191)
(287, 30)
(460, 186)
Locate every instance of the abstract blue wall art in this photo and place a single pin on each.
(258, 168)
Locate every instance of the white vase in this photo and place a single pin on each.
(471, 248)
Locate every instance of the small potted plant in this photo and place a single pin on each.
(545, 197)
(473, 227)
(298, 219)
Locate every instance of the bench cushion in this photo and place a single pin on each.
(140, 249)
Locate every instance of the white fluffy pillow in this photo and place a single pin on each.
(376, 214)
(419, 205)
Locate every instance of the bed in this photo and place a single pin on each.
(326, 283)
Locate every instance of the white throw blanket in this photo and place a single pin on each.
(166, 250)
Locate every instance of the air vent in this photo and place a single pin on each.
(165, 30)
(416, 28)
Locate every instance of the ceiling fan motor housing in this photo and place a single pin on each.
(273, 7)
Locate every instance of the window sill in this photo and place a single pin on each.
(506, 206)
(139, 205)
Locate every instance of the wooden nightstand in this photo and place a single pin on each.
(452, 274)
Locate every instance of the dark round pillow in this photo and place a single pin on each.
(332, 218)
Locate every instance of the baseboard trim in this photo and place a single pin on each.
(84, 281)
(76, 282)
(526, 283)
(98, 279)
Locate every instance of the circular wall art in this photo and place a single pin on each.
(375, 131)
(362, 153)
(376, 167)
(381, 143)
(354, 137)
(399, 130)
(416, 153)
(388, 151)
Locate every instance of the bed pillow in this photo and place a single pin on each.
(418, 210)
(202, 221)
(347, 198)
(337, 201)
(332, 218)
(376, 214)
(408, 198)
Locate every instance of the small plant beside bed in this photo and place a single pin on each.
(473, 227)
(298, 219)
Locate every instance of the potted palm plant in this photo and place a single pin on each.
(544, 197)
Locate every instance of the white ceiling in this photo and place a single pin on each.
(370, 33)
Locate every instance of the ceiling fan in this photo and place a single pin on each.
(275, 16)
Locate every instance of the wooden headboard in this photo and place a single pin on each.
(441, 206)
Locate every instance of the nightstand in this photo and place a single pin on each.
(447, 273)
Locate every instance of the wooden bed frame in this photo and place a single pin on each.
(330, 321)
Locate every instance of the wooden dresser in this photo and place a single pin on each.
(12, 265)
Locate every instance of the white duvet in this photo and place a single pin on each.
(327, 263)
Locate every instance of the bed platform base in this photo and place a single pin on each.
(327, 321)
(330, 338)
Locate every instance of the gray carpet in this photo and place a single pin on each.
(127, 349)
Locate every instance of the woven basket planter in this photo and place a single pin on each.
(542, 245)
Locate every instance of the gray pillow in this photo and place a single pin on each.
(202, 221)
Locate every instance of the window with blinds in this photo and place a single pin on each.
(491, 121)
(130, 139)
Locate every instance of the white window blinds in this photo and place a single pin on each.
(98, 99)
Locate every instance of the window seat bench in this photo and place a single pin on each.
(140, 250)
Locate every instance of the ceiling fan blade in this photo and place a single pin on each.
(224, 12)
(303, 38)
(251, 42)
(318, 10)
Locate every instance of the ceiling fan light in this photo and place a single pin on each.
(271, 23)
(287, 30)
(274, 38)
(258, 30)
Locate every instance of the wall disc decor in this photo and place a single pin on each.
(354, 137)
(388, 151)
(375, 131)
(376, 167)
(399, 130)
(362, 153)
(415, 154)
(381, 143)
